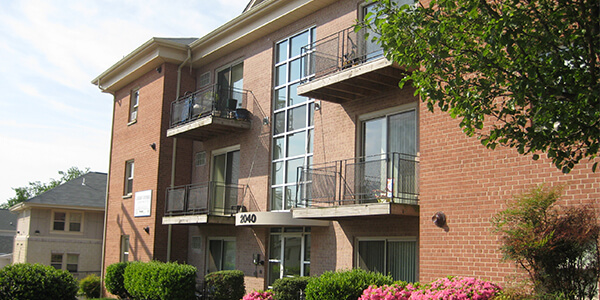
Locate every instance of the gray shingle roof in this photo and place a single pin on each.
(8, 220)
(88, 190)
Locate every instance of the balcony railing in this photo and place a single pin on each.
(214, 100)
(388, 177)
(207, 198)
(337, 52)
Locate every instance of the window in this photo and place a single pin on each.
(230, 81)
(289, 252)
(204, 79)
(292, 120)
(394, 256)
(221, 254)
(389, 145)
(200, 158)
(72, 261)
(196, 243)
(56, 261)
(67, 221)
(127, 191)
(134, 101)
(225, 176)
(370, 49)
(124, 248)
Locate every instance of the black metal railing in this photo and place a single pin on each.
(211, 198)
(213, 100)
(339, 51)
(388, 177)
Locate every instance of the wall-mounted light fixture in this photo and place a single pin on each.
(147, 229)
(439, 219)
(153, 146)
(317, 105)
(37, 232)
(158, 70)
(266, 121)
(256, 259)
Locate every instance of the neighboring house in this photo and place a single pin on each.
(8, 229)
(281, 145)
(63, 227)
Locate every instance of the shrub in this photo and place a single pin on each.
(90, 286)
(288, 288)
(157, 280)
(259, 295)
(113, 280)
(343, 285)
(458, 288)
(557, 247)
(396, 291)
(36, 282)
(225, 285)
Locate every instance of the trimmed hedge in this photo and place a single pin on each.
(157, 280)
(288, 288)
(90, 286)
(36, 282)
(113, 280)
(344, 285)
(225, 285)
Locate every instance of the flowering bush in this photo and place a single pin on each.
(259, 295)
(392, 292)
(451, 288)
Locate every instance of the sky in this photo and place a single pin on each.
(51, 116)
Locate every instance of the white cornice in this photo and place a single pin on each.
(26, 205)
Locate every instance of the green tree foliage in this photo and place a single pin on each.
(36, 187)
(522, 74)
(557, 247)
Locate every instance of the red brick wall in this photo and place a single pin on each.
(470, 184)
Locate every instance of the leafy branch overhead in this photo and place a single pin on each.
(522, 74)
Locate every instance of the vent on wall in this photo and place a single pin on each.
(204, 79)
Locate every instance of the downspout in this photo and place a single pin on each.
(174, 155)
(107, 185)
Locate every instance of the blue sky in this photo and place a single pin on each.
(51, 116)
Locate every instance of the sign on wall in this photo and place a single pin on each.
(143, 203)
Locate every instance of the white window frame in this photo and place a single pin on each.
(279, 166)
(128, 178)
(306, 231)
(67, 228)
(125, 248)
(134, 103)
(387, 239)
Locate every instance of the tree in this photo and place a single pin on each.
(557, 247)
(522, 74)
(36, 187)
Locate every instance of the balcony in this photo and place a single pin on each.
(385, 184)
(208, 113)
(208, 202)
(345, 66)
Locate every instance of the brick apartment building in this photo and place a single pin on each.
(280, 145)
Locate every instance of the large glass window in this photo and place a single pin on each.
(397, 257)
(289, 253)
(231, 82)
(221, 254)
(292, 120)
